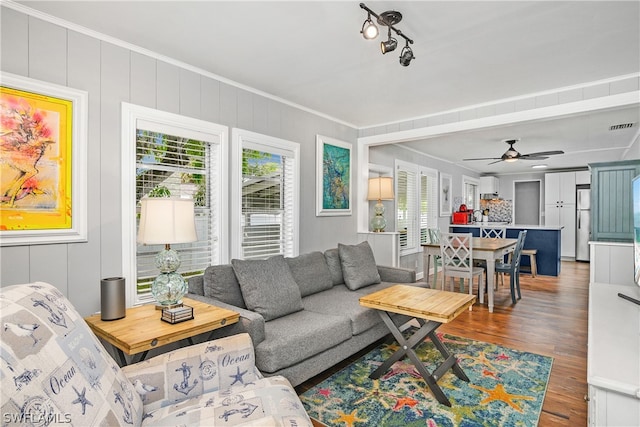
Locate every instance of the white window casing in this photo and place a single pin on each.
(416, 204)
(185, 156)
(265, 206)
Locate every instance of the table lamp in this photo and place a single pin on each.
(380, 188)
(167, 220)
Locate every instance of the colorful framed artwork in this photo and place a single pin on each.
(333, 177)
(445, 194)
(43, 163)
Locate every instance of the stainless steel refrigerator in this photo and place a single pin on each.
(583, 223)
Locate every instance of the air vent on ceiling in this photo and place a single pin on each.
(621, 126)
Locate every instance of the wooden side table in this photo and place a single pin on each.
(142, 330)
(431, 308)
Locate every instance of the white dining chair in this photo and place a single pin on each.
(493, 232)
(456, 250)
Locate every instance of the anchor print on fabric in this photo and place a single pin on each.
(126, 408)
(245, 410)
(184, 386)
(23, 330)
(55, 318)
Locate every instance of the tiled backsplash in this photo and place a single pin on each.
(499, 210)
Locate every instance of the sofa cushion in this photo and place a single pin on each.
(358, 265)
(268, 287)
(220, 282)
(311, 272)
(298, 336)
(341, 300)
(53, 364)
(210, 366)
(265, 402)
(335, 267)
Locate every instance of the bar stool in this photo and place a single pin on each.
(531, 253)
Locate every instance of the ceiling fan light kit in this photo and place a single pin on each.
(388, 19)
(512, 155)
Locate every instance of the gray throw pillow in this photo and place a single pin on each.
(358, 265)
(335, 267)
(311, 273)
(220, 283)
(268, 287)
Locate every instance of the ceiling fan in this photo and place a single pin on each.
(511, 155)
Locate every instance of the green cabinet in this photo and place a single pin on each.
(611, 200)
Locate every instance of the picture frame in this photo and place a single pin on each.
(445, 194)
(43, 162)
(333, 177)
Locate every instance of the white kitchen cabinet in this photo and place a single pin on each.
(583, 177)
(560, 208)
(565, 216)
(489, 185)
(560, 188)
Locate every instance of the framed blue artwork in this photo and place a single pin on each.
(333, 177)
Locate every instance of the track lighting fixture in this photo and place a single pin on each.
(369, 30)
(389, 19)
(389, 45)
(406, 56)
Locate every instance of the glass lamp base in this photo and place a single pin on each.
(378, 223)
(169, 288)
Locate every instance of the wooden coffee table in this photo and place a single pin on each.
(141, 329)
(431, 308)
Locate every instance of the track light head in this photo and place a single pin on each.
(406, 56)
(369, 30)
(389, 45)
(388, 19)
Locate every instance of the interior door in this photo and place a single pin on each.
(526, 202)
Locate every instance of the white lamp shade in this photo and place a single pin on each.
(380, 188)
(166, 220)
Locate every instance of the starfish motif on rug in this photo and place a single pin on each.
(500, 394)
(349, 419)
(399, 368)
(480, 359)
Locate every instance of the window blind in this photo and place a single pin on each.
(428, 203)
(167, 164)
(267, 203)
(406, 208)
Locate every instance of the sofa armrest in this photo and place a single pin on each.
(396, 274)
(250, 322)
(195, 285)
(191, 371)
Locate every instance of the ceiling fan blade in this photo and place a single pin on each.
(534, 158)
(543, 153)
(497, 161)
(485, 158)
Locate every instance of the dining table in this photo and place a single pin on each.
(483, 248)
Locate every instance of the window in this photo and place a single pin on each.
(470, 188)
(170, 155)
(265, 173)
(416, 204)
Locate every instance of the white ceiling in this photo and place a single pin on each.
(467, 53)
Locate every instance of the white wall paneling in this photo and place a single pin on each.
(112, 72)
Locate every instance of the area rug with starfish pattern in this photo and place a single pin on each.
(506, 388)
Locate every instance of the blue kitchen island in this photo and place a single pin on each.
(545, 239)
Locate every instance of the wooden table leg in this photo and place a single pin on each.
(426, 258)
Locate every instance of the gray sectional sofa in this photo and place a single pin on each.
(302, 313)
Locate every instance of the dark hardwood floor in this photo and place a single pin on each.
(551, 319)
